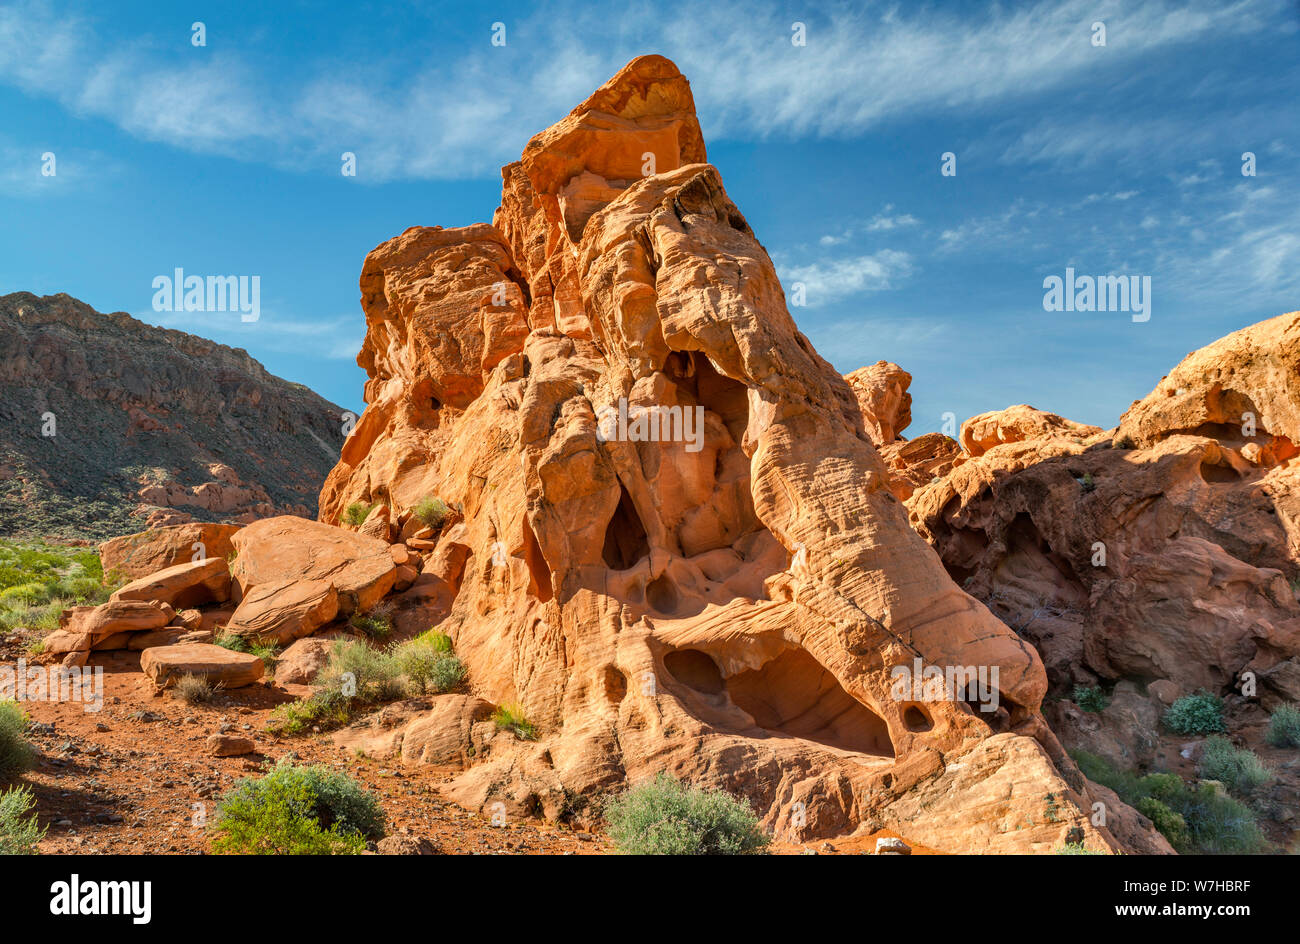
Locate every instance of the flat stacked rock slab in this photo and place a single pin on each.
(191, 584)
(164, 665)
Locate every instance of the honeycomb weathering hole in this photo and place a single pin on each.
(626, 541)
(662, 595)
(916, 720)
(696, 670)
(794, 695)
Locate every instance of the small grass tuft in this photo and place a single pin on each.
(510, 717)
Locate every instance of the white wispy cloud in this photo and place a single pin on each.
(830, 280)
(464, 114)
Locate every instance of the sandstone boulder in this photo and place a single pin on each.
(146, 553)
(228, 745)
(301, 662)
(165, 664)
(81, 627)
(278, 613)
(194, 583)
(288, 549)
(731, 600)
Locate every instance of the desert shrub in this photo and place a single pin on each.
(376, 622)
(1091, 699)
(357, 513)
(1171, 825)
(19, 830)
(431, 512)
(32, 593)
(236, 643)
(426, 667)
(511, 718)
(355, 676)
(194, 689)
(1214, 823)
(1239, 770)
(436, 640)
(667, 817)
(1284, 727)
(1201, 713)
(1076, 848)
(16, 755)
(297, 810)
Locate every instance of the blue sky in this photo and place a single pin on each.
(1117, 159)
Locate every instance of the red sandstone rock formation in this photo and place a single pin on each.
(1156, 558)
(729, 606)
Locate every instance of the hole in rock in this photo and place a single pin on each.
(625, 538)
(916, 720)
(661, 594)
(1030, 559)
(1218, 474)
(539, 573)
(435, 403)
(696, 670)
(615, 684)
(794, 695)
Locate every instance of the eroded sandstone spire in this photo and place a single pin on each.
(732, 614)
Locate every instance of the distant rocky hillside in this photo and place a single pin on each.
(149, 426)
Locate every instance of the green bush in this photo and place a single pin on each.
(16, 755)
(19, 831)
(236, 643)
(31, 593)
(1239, 770)
(1076, 848)
(431, 512)
(1171, 825)
(357, 513)
(1284, 727)
(1201, 713)
(297, 810)
(426, 667)
(511, 718)
(1214, 824)
(1091, 699)
(667, 817)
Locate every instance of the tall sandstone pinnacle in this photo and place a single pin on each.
(730, 614)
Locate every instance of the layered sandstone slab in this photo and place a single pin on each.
(194, 583)
(164, 665)
(287, 550)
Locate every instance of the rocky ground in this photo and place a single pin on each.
(136, 777)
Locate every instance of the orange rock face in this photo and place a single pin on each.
(193, 583)
(287, 550)
(677, 546)
(1158, 558)
(139, 555)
